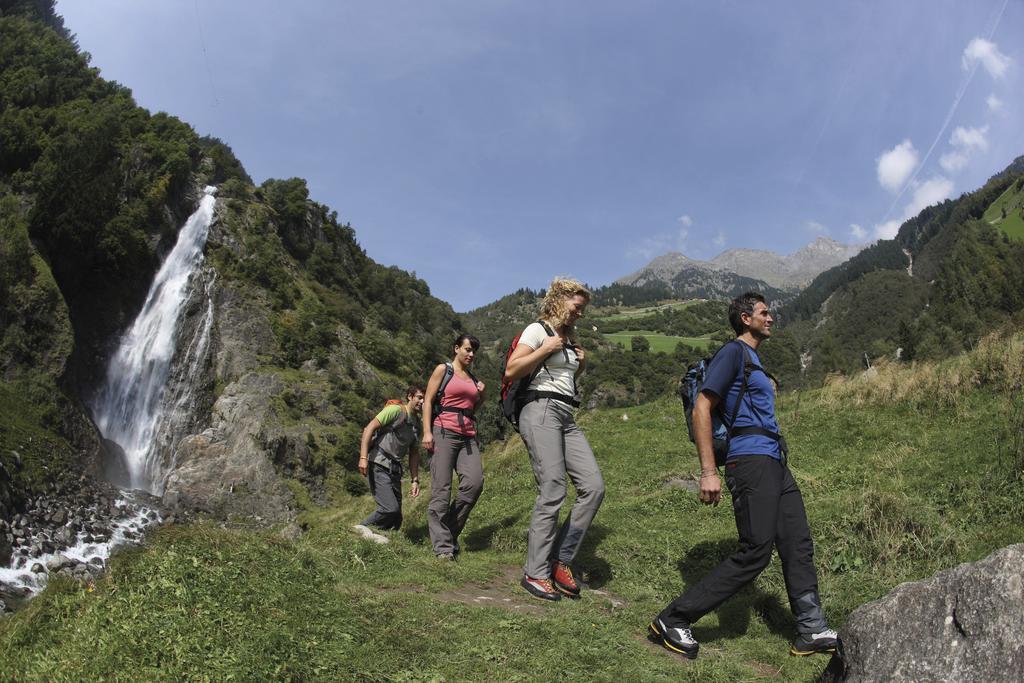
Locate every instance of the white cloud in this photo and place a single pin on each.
(686, 221)
(994, 103)
(719, 240)
(953, 161)
(896, 165)
(657, 245)
(816, 228)
(857, 232)
(927, 193)
(681, 238)
(988, 55)
(965, 141)
(930, 192)
(887, 230)
(970, 138)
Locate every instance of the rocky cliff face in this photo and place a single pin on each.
(963, 624)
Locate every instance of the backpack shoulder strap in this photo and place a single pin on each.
(746, 367)
(544, 363)
(449, 372)
(749, 366)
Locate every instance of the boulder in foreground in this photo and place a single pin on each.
(963, 624)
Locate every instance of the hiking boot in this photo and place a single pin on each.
(677, 639)
(561, 576)
(540, 588)
(446, 557)
(815, 643)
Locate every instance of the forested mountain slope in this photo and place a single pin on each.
(948, 277)
(308, 332)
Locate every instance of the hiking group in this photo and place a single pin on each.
(730, 408)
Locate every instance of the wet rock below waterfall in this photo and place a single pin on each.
(70, 535)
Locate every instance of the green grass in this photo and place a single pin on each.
(1012, 202)
(894, 492)
(625, 313)
(659, 342)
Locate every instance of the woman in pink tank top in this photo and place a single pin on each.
(449, 432)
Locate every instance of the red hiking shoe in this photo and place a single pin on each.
(539, 588)
(561, 576)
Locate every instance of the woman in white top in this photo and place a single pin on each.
(549, 353)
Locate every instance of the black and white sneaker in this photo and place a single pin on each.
(677, 639)
(815, 643)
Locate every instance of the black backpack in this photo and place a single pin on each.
(438, 406)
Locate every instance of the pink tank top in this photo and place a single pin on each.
(460, 393)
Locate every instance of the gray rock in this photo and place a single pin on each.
(291, 532)
(228, 471)
(38, 568)
(60, 516)
(963, 624)
(58, 562)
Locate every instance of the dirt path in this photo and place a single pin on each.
(504, 591)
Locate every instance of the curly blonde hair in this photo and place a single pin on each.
(555, 308)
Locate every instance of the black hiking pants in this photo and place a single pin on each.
(769, 513)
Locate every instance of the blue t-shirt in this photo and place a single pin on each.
(724, 379)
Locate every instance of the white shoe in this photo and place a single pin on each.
(369, 534)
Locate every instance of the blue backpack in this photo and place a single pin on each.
(721, 429)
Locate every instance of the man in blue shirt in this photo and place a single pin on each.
(766, 501)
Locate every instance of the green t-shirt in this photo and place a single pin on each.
(389, 414)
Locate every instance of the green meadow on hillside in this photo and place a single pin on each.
(625, 313)
(1007, 212)
(904, 473)
(659, 342)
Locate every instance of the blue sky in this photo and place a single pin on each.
(488, 146)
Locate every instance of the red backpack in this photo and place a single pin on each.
(513, 392)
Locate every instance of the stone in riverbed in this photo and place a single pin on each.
(59, 562)
(37, 568)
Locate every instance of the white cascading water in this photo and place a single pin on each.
(143, 406)
(131, 408)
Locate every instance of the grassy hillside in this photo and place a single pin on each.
(1007, 212)
(660, 343)
(904, 473)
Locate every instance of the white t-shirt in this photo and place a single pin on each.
(558, 371)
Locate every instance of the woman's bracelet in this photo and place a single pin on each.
(704, 475)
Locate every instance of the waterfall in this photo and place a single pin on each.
(136, 408)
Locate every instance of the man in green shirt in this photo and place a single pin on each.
(386, 439)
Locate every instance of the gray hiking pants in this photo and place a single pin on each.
(558, 448)
(446, 517)
(386, 487)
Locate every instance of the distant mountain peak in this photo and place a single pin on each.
(784, 272)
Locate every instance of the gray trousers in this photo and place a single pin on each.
(558, 448)
(386, 487)
(446, 517)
